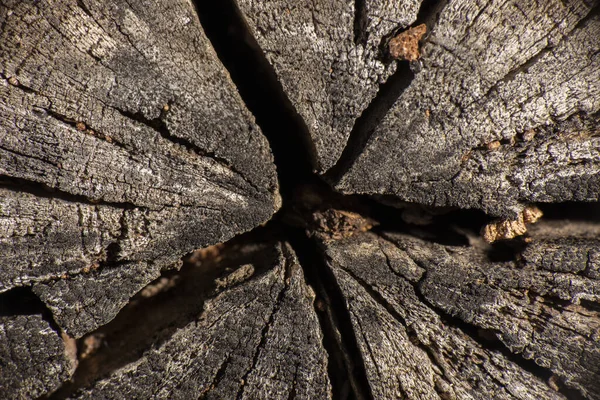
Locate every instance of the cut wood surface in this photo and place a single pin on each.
(261, 337)
(33, 357)
(327, 58)
(420, 222)
(124, 144)
(487, 122)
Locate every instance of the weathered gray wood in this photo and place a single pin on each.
(257, 338)
(124, 145)
(329, 71)
(493, 75)
(34, 359)
(122, 140)
(392, 295)
(543, 308)
(82, 303)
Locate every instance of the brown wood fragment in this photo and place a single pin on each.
(495, 145)
(509, 229)
(405, 46)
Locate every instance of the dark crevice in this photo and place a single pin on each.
(79, 126)
(42, 190)
(288, 136)
(429, 13)
(389, 91)
(23, 301)
(84, 8)
(159, 125)
(361, 35)
(370, 118)
(166, 305)
(20, 301)
(571, 211)
(346, 368)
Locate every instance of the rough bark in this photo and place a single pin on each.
(131, 170)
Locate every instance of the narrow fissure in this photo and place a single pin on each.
(159, 126)
(388, 93)
(486, 341)
(346, 368)
(360, 22)
(42, 190)
(259, 87)
(370, 118)
(80, 126)
(265, 330)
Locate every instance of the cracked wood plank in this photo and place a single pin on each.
(123, 143)
(493, 76)
(329, 70)
(276, 353)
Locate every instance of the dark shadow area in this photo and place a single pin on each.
(360, 22)
(347, 373)
(20, 301)
(260, 89)
(169, 303)
(573, 211)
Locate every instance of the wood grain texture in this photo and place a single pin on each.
(409, 349)
(496, 72)
(326, 55)
(131, 173)
(275, 351)
(123, 143)
(33, 357)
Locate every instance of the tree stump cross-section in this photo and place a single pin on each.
(300, 199)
